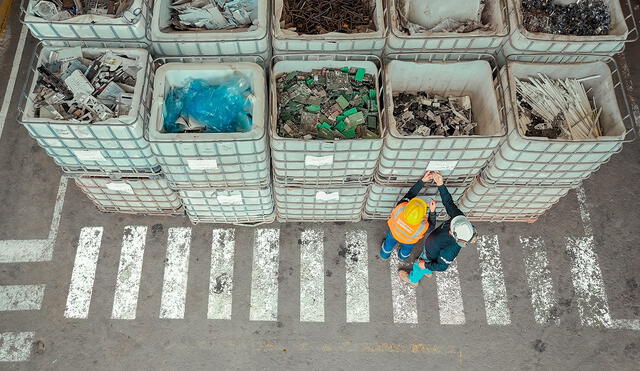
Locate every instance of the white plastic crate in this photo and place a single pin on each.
(236, 206)
(542, 161)
(214, 42)
(328, 203)
(460, 158)
(131, 27)
(131, 195)
(480, 40)
(621, 30)
(490, 202)
(206, 160)
(319, 161)
(285, 41)
(383, 198)
(113, 146)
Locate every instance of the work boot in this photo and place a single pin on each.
(404, 275)
(383, 254)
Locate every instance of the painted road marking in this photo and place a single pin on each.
(357, 276)
(536, 265)
(405, 307)
(6, 102)
(25, 251)
(176, 272)
(312, 276)
(125, 301)
(584, 212)
(264, 280)
(450, 296)
(21, 297)
(493, 286)
(84, 273)
(15, 346)
(221, 275)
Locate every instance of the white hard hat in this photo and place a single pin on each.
(462, 229)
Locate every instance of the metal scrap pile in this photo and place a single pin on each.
(582, 18)
(60, 10)
(556, 109)
(328, 104)
(323, 16)
(203, 15)
(424, 114)
(417, 16)
(81, 88)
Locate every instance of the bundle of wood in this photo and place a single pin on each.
(557, 109)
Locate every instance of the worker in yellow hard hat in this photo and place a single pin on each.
(409, 222)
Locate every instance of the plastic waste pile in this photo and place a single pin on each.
(83, 88)
(85, 11)
(206, 15)
(417, 16)
(204, 108)
(328, 103)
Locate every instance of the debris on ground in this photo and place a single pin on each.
(207, 15)
(424, 114)
(324, 16)
(417, 16)
(556, 109)
(328, 103)
(83, 10)
(203, 108)
(39, 346)
(582, 18)
(76, 87)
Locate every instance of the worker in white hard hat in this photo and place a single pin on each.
(444, 243)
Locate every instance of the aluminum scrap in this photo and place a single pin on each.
(430, 114)
(199, 15)
(582, 18)
(77, 87)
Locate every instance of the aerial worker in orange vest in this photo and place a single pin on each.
(409, 222)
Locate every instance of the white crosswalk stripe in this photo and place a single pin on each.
(125, 301)
(221, 275)
(176, 270)
(312, 276)
(493, 285)
(450, 296)
(403, 295)
(264, 280)
(357, 276)
(536, 264)
(21, 297)
(15, 346)
(84, 272)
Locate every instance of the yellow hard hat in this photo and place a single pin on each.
(415, 211)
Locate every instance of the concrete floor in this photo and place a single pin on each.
(28, 188)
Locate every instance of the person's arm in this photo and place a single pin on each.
(413, 191)
(447, 200)
(431, 218)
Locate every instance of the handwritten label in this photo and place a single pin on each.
(324, 196)
(318, 160)
(83, 132)
(230, 200)
(63, 132)
(442, 165)
(89, 155)
(202, 164)
(120, 187)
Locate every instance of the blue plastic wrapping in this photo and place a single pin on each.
(218, 108)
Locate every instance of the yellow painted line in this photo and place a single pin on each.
(5, 8)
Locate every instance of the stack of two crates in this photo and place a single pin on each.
(110, 159)
(404, 159)
(220, 177)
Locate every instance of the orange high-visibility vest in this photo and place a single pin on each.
(403, 231)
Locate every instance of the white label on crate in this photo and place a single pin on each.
(63, 132)
(230, 200)
(120, 187)
(442, 165)
(324, 196)
(83, 132)
(89, 155)
(202, 164)
(318, 161)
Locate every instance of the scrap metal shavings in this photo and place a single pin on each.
(424, 114)
(470, 19)
(557, 109)
(60, 10)
(582, 18)
(328, 103)
(76, 87)
(203, 15)
(318, 17)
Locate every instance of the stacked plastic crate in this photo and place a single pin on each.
(110, 159)
(405, 158)
(317, 179)
(221, 177)
(529, 174)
